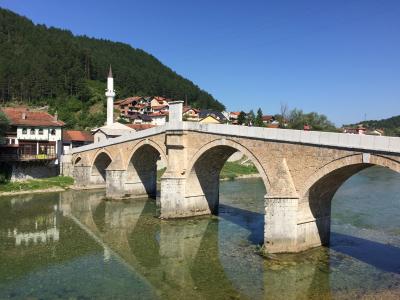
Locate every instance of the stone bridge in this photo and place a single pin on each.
(301, 171)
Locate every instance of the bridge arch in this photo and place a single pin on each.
(202, 177)
(100, 162)
(147, 142)
(319, 190)
(141, 169)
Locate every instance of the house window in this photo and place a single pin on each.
(51, 150)
(32, 131)
(24, 131)
(53, 132)
(41, 131)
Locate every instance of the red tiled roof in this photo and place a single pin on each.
(77, 135)
(273, 126)
(32, 118)
(187, 108)
(235, 113)
(128, 100)
(139, 127)
(158, 114)
(267, 118)
(159, 106)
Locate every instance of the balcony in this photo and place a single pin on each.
(25, 157)
(28, 152)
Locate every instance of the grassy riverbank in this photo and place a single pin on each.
(234, 169)
(230, 170)
(60, 182)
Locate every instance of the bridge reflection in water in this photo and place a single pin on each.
(182, 259)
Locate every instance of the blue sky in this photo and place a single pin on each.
(340, 57)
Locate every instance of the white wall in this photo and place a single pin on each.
(99, 136)
(159, 120)
(46, 136)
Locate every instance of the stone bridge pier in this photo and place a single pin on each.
(301, 171)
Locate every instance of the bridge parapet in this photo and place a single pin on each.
(319, 138)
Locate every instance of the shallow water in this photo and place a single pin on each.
(74, 245)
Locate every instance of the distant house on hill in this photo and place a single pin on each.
(140, 118)
(377, 132)
(360, 129)
(203, 114)
(139, 127)
(128, 105)
(190, 114)
(233, 117)
(159, 118)
(75, 138)
(159, 101)
(268, 119)
(210, 120)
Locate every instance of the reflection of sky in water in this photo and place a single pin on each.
(119, 249)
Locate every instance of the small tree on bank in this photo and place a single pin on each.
(4, 123)
(242, 118)
(259, 121)
(250, 118)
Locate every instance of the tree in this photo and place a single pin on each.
(250, 118)
(259, 118)
(297, 119)
(50, 66)
(242, 118)
(4, 123)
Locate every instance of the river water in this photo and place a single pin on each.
(75, 245)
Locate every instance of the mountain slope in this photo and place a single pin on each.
(390, 125)
(41, 65)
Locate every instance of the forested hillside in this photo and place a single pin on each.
(41, 65)
(390, 125)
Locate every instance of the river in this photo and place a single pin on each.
(75, 245)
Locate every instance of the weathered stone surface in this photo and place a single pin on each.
(301, 172)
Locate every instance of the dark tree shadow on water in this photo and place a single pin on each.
(382, 256)
(249, 220)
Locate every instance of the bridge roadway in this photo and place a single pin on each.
(301, 171)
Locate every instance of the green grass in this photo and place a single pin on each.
(160, 173)
(232, 169)
(37, 184)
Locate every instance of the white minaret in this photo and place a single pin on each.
(110, 94)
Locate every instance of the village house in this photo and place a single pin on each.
(139, 127)
(127, 106)
(233, 117)
(190, 114)
(360, 129)
(268, 119)
(377, 132)
(33, 144)
(159, 118)
(212, 116)
(75, 138)
(140, 119)
(33, 135)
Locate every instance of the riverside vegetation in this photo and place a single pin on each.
(231, 170)
(62, 182)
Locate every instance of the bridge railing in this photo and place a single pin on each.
(318, 138)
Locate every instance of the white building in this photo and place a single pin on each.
(33, 135)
